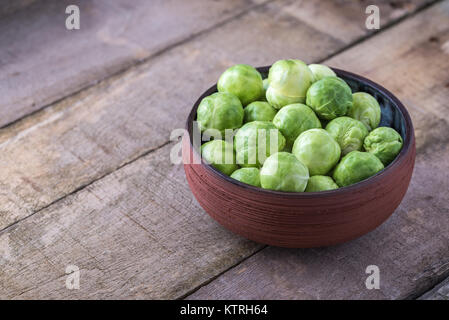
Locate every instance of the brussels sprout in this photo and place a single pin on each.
(294, 119)
(278, 100)
(321, 71)
(220, 154)
(348, 132)
(356, 166)
(255, 141)
(320, 183)
(329, 97)
(247, 175)
(220, 111)
(289, 81)
(385, 143)
(259, 111)
(243, 81)
(366, 109)
(282, 171)
(266, 84)
(317, 150)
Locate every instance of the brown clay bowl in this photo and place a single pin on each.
(303, 220)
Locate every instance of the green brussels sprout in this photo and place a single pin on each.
(277, 100)
(321, 71)
(220, 154)
(317, 150)
(266, 84)
(243, 81)
(348, 132)
(256, 141)
(247, 175)
(259, 111)
(282, 171)
(289, 81)
(366, 109)
(220, 111)
(385, 143)
(294, 119)
(356, 166)
(320, 183)
(329, 97)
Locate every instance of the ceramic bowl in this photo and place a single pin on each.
(303, 220)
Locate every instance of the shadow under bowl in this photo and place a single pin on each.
(309, 219)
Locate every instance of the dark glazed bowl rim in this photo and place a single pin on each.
(400, 158)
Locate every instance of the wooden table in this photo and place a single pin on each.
(86, 117)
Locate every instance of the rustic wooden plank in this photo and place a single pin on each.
(45, 62)
(42, 61)
(412, 248)
(89, 134)
(440, 292)
(137, 233)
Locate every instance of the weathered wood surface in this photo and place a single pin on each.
(89, 134)
(412, 248)
(137, 233)
(440, 292)
(107, 228)
(42, 62)
(93, 133)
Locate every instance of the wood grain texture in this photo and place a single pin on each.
(137, 233)
(412, 247)
(83, 138)
(440, 292)
(45, 62)
(89, 134)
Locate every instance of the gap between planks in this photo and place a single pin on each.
(438, 292)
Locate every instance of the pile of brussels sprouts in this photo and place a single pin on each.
(301, 129)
